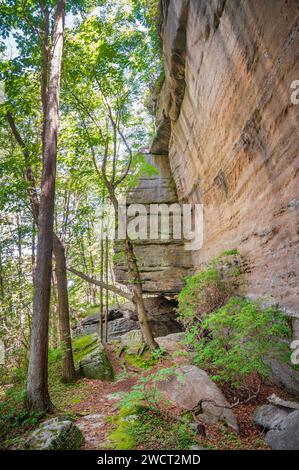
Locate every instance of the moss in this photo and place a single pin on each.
(91, 359)
(152, 429)
(229, 253)
(121, 439)
(84, 345)
(237, 271)
(145, 361)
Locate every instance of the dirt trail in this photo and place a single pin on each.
(101, 402)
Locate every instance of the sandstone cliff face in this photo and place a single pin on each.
(226, 120)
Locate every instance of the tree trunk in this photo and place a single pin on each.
(135, 281)
(68, 368)
(37, 387)
(107, 292)
(1, 276)
(101, 332)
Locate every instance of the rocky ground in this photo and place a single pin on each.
(101, 402)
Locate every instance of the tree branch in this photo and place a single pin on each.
(96, 282)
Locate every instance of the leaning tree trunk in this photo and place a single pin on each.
(135, 280)
(68, 368)
(37, 387)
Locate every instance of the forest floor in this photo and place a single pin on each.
(95, 406)
(102, 400)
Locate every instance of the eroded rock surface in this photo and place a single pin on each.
(288, 438)
(56, 434)
(232, 139)
(91, 358)
(227, 122)
(191, 388)
(268, 417)
(122, 319)
(162, 260)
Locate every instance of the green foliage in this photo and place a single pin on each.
(202, 293)
(141, 422)
(234, 340)
(14, 418)
(146, 360)
(230, 335)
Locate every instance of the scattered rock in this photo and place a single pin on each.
(268, 417)
(284, 375)
(198, 428)
(172, 343)
(288, 438)
(191, 388)
(92, 360)
(290, 405)
(56, 434)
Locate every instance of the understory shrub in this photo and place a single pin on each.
(234, 340)
(230, 336)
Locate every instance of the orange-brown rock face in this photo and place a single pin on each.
(227, 121)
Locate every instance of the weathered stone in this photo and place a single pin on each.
(288, 438)
(172, 343)
(92, 360)
(132, 341)
(191, 388)
(270, 417)
(232, 144)
(56, 434)
(284, 375)
(161, 315)
(162, 262)
(279, 402)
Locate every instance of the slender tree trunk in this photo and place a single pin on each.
(33, 251)
(135, 280)
(1, 276)
(107, 292)
(37, 387)
(68, 368)
(54, 338)
(101, 288)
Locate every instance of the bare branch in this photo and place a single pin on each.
(96, 282)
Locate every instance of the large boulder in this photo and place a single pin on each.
(288, 438)
(268, 417)
(191, 388)
(56, 434)
(91, 358)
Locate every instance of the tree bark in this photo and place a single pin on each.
(68, 367)
(107, 292)
(135, 281)
(37, 387)
(1, 276)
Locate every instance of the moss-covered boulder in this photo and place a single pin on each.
(56, 434)
(91, 358)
